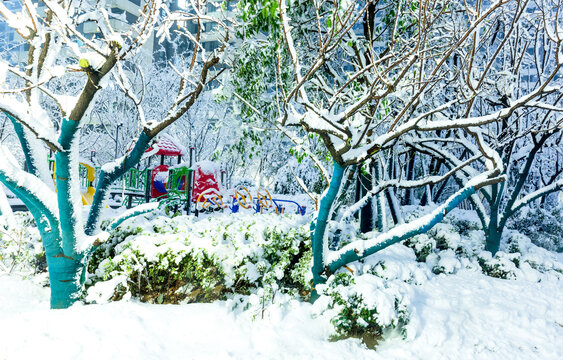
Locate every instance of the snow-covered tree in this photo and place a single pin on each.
(521, 57)
(371, 78)
(59, 53)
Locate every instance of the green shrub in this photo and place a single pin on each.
(21, 249)
(364, 307)
(502, 266)
(179, 260)
(422, 245)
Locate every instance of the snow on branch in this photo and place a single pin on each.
(136, 211)
(36, 124)
(362, 248)
(20, 22)
(404, 184)
(490, 118)
(31, 185)
(556, 186)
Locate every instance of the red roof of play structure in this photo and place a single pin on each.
(168, 146)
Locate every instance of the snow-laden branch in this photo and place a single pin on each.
(21, 23)
(556, 186)
(286, 30)
(461, 177)
(35, 189)
(64, 24)
(362, 153)
(541, 105)
(140, 32)
(136, 211)
(418, 123)
(110, 173)
(490, 118)
(362, 248)
(125, 85)
(403, 184)
(184, 102)
(55, 70)
(37, 124)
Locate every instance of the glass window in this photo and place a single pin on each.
(131, 18)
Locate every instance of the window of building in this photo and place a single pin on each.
(130, 18)
(117, 11)
(211, 45)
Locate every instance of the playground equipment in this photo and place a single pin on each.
(180, 186)
(87, 174)
(212, 200)
(141, 186)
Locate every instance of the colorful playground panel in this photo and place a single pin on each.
(179, 185)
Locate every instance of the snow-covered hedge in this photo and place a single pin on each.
(364, 307)
(371, 298)
(181, 259)
(544, 227)
(458, 243)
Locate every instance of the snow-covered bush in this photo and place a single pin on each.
(444, 262)
(544, 227)
(422, 245)
(372, 297)
(364, 306)
(459, 243)
(502, 265)
(182, 259)
(20, 247)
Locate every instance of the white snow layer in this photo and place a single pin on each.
(462, 316)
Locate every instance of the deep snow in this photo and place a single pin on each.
(462, 316)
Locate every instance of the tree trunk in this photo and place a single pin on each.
(380, 202)
(409, 200)
(66, 277)
(493, 239)
(318, 241)
(394, 207)
(494, 232)
(366, 214)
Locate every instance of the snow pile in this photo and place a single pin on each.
(466, 315)
(434, 296)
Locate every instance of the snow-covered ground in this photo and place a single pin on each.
(466, 315)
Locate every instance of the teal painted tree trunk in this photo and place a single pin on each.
(60, 226)
(62, 271)
(318, 240)
(106, 178)
(67, 269)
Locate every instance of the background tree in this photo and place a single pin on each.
(521, 56)
(369, 97)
